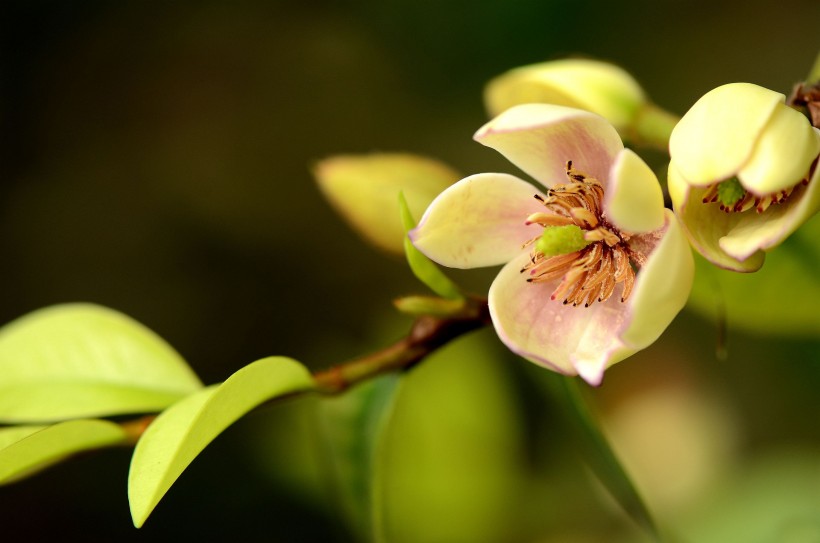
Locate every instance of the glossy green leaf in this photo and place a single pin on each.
(181, 432)
(423, 268)
(24, 450)
(781, 298)
(82, 360)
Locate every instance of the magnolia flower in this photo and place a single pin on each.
(743, 174)
(596, 268)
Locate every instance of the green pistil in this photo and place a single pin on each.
(560, 240)
(730, 192)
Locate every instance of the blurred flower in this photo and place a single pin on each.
(591, 85)
(599, 227)
(365, 190)
(743, 174)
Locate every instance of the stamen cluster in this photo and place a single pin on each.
(750, 200)
(592, 273)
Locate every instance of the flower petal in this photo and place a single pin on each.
(541, 138)
(634, 199)
(783, 153)
(706, 224)
(479, 221)
(569, 340)
(712, 141)
(661, 287)
(764, 231)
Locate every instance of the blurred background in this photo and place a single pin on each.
(155, 158)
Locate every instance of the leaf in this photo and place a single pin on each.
(352, 427)
(82, 360)
(781, 298)
(447, 467)
(597, 452)
(24, 450)
(423, 268)
(181, 432)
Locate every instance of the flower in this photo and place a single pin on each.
(743, 174)
(592, 85)
(573, 307)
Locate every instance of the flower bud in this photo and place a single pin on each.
(743, 173)
(365, 189)
(591, 85)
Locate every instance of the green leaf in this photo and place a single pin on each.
(780, 298)
(181, 432)
(597, 452)
(24, 450)
(352, 426)
(82, 360)
(448, 466)
(423, 268)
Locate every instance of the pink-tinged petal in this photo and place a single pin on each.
(569, 340)
(706, 224)
(634, 199)
(759, 232)
(783, 153)
(479, 221)
(541, 138)
(717, 135)
(661, 287)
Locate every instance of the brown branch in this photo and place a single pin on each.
(426, 336)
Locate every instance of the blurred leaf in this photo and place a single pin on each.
(772, 498)
(430, 305)
(25, 450)
(596, 450)
(423, 268)
(181, 432)
(780, 298)
(363, 189)
(352, 426)
(81, 360)
(448, 468)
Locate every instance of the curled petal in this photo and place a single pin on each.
(570, 340)
(479, 221)
(783, 153)
(705, 225)
(541, 138)
(634, 200)
(717, 135)
(661, 288)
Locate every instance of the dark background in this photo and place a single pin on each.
(155, 158)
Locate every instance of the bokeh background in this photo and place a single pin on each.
(156, 157)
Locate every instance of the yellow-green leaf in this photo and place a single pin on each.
(25, 450)
(181, 432)
(83, 360)
(423, 268)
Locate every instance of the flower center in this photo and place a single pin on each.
(733, 198)
(589, 255)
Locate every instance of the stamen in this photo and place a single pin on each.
(591, 273)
